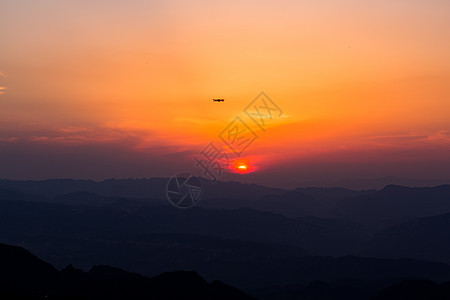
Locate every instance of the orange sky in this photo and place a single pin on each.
(362, 84)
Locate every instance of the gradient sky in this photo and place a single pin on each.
(101, 89)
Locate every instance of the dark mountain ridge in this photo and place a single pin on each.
(24, 276)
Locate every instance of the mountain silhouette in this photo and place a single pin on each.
(300, 202)
(327, 243)
(415, 290)
(423, 238)
(316, 235)
(153, 188)
(394, 205)
(24, 276)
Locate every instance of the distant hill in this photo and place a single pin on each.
(301, 202)
(221, 195)
(10, 194)
(376, 210)
(50, 188)
(26, 277)
(380, 182)
(24, 221)
(424, 238)
(153, 188)
(393, 205)
(85, 198)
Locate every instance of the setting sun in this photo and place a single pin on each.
(241, 166)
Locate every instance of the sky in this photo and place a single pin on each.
(124, 89)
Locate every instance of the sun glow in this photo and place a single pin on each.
(241, 166)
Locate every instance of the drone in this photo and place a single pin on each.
(218, 100)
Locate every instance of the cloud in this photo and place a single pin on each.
(200, 121)
(398, 138)
(133, 137)
(440, 136)
(72, 129)
(3, 88)
(426, 137)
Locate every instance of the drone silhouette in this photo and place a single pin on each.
(218, 100)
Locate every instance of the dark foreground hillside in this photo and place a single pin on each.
(24, 276)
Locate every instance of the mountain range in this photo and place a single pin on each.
(24, 276)
(270, 243)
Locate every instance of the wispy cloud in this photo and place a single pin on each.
(441, 136)
(200, 121)
(3, 88)
(398, 138)
(134, 136)
(430, 137)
